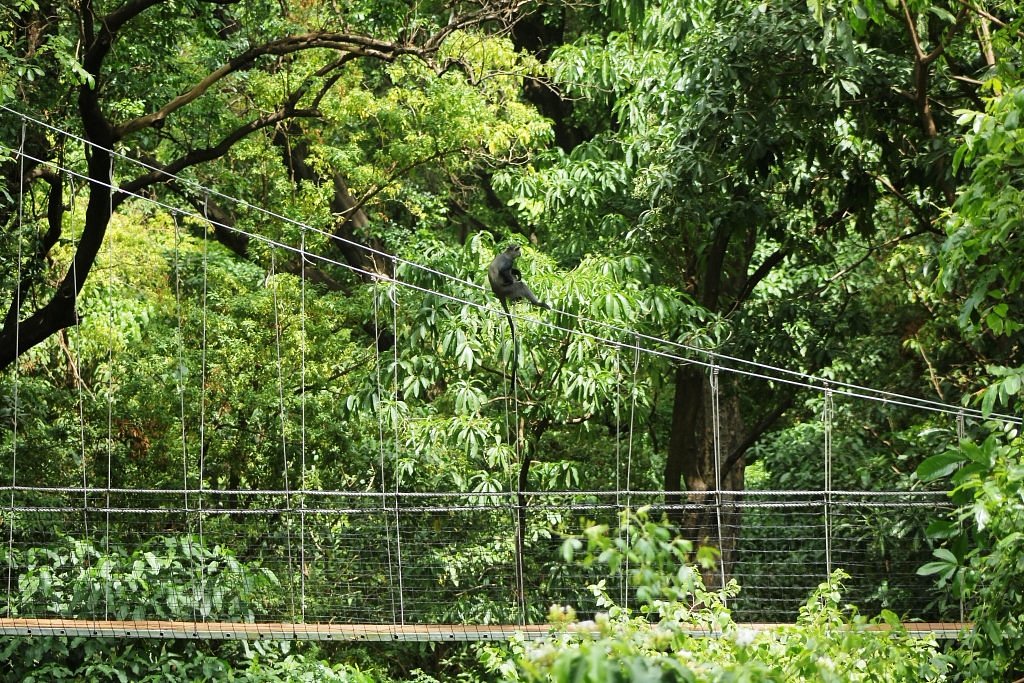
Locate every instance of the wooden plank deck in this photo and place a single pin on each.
(351, 632)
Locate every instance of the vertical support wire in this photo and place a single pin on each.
(283, 419)
(520, 482)
(826, 419)
(110, 391)
(629, 459)
(180, 313)
(75, 370)
(510, 389)
(716, 440)
(302, 426)
(395, 456)
(107, 579)
(620, 512)
(378, 400)
(618, 430)
(961, 434)
(200, 598)
(17, 372)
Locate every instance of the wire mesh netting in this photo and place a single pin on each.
(331, 557)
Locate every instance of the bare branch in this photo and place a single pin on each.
(167, 172)
(351, 44)
(923, 222)
(908, 19)
(988, 16)
(766, 267)
(115, 20)
(944, 42)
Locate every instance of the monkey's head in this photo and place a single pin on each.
(513, 251)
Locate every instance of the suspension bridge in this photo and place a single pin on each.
(194, 560)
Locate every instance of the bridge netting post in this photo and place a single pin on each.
(716, 444)
(302, 425)
(396, 449)
(826, 420)
(961, 434)
(282, 413)
(16, 370)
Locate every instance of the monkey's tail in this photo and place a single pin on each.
(521, 487)
(515, 345)
(515, 354)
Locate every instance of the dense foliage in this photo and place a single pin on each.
(662, 641)
(984, 550)
(242, 247)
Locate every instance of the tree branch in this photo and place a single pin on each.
(987, 15)
(113, 21)
(347, 43)
(753, 434)
(97, 35)
(943, 42)
(167, 172)
(351, 44)
(222, 220)
(908, 19)
(761, 273)
(924, 224)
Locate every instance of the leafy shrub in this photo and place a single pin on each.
(983, 558)
(173, 578)
(657, 642)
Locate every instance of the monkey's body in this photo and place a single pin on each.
(507, 281)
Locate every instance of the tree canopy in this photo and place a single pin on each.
(252, 236)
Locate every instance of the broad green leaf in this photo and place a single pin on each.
(939, 466)
(944, 569)
(942, 529)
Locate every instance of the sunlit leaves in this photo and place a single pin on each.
(980, 255)
(469, 398)
(455, 359)
(400, 134)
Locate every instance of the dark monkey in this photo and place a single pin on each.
(507, 281)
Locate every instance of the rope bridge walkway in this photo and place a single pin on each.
(189, 561)
(364, 632)
(347, 582)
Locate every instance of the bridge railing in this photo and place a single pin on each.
(434, 558)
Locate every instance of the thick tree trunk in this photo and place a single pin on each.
(97, 34)
(18, 336)
(704, 515)
(682, 445)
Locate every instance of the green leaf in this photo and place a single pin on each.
(1012, 120)
(943, 568)
(942, 529)
(939, 466)
(988, 400)
(958, 157)
(569, 549)
(890, 618)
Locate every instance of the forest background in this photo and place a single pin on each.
(832, 188)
